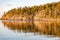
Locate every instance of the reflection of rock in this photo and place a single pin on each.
(43, 27)
(25, 26)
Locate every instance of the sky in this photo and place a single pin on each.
(6, 5)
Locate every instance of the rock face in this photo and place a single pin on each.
(51, 10)
(17, 17)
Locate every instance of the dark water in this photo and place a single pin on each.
(29, 30)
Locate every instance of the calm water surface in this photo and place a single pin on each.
(22, 30)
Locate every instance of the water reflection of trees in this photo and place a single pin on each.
(26, 26)
(42, 27)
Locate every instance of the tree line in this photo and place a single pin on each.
(52, 10)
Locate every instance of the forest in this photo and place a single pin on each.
(49, 10)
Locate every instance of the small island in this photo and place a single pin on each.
(45, 19)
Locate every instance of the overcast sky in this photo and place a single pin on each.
(6, 5)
